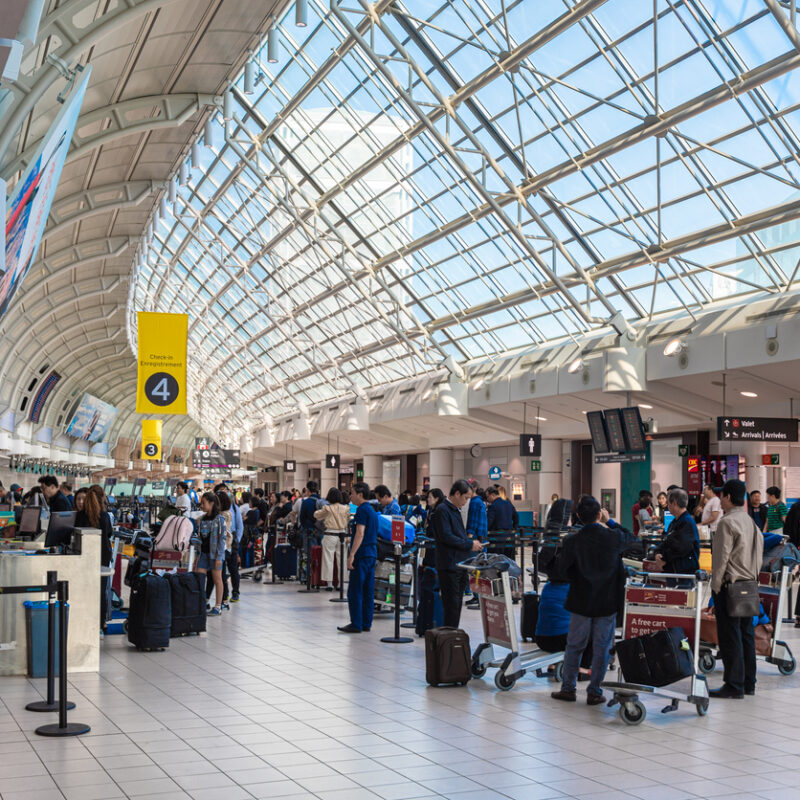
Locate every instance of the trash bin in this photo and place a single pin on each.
(36, 631)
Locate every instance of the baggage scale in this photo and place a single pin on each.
(496, 590)
(652, 605)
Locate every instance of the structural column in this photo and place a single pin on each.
(298, 479)
(550, 479)
(328, 478)
(373, 470)
(440, 463)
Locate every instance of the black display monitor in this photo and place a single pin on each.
(597, 428)
(60, 528)
(634, 430)
(616, 437)
(29, 521)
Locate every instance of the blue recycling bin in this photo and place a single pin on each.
(36, 631)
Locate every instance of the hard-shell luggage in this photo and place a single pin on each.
(658, 659)
(150, 614)
(284, 565)
(316, 567)
(447, 656)
(175, 534)
(187, 590)
(529, 616)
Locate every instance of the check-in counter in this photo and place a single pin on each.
(20, 567)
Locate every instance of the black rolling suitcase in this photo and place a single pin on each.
(658, 659)
(529, 616)
(150, 615)
(448, 658)
(284, 562)
(187, 590)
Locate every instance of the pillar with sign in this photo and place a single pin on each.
(329, 473)
(373, 470)
(440, 464)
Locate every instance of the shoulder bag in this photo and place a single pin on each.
(743, 599)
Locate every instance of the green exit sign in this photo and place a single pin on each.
(536, 466)
(360, 474)
(683, 450)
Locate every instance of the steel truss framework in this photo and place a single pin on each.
(485, 176)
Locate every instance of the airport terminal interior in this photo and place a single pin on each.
(399, 399)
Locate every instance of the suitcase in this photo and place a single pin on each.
(150, 614)
(284, 564)
(316, 567)
(658, 659)
(529, 616)
(187, 590)
(448, 658)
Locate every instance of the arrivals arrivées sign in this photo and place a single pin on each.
(757, 429)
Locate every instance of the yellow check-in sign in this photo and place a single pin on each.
(161, 381)
(151, 439)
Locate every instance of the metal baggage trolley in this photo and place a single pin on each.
(774, 602)
(652, 605)
(495, 590)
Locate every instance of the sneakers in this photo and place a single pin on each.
(234, 598)
(215, 612)
(474, 603)
(569, 697)
(226, 606)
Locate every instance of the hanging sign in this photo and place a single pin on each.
(161, 382)
(530, 444)
(290, 466)
(151, 439)
(333, 461)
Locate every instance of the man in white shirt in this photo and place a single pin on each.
(182, 500)
(712, 510)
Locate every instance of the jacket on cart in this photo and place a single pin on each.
(447, 528)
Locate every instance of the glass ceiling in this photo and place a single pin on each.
(472, 177)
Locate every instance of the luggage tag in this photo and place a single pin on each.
(685, 644)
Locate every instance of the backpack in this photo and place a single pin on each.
(168, 511)
(175, 534)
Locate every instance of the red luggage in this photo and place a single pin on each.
(316, 567)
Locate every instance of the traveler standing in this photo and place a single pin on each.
(661, 507)
(211, 530)
(388, 506)
(712, 509)
(182, 500)
(93, 515)
(66, 490)
(235, 530)
(776, 510)
(452, 546)
(336, 517)
(680, 551)
(736, 554)
(477, 526)
(757, 510)
(591, 560)
(361, 562)
(645, 501)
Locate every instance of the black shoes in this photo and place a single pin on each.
(569, 697)
(349, 629)
(726, 692)
(750, 690)
(595, 699)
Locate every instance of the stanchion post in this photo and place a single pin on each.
(522, 561)
(308, 589)
(62, 728)
(414, 599)
(397, 638)
(341, 598)
(50, 704)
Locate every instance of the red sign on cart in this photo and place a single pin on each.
(495, 622)
(398, 530)
(659, 597)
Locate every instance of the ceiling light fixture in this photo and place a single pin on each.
(208, 132)
(541, 419)
(644, 405)
(195, 155)
(301, 13)
(184, 174)
(575, 365)
(249, 75)
(674, 347)
(748, 394)
(272, 45)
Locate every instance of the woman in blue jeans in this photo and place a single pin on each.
(211, 529)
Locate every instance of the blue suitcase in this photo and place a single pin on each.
(284, 563)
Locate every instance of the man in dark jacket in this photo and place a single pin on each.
(501, 521)
(593, 564)
(452, 545)
(680, 550)
(55, 499)
(305, 519)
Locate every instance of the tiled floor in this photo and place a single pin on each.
(273, 703)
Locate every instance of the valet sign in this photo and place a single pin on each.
(161, 369)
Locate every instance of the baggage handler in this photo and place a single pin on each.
(361, 562)
(452, 545)
(592, 561)
(736, 552)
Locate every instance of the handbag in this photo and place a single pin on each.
(743, 599)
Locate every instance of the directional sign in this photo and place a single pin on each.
(530, 444)
(757, 429)
(495, 473)
(536, 466)
(290, 466)
(619, 458)
(333, 461)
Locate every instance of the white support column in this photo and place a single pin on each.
(298, 479)
(373, 470)
(550, 477)
(329, 479)
(441, 467)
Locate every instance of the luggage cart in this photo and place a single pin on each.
(651, 606)
(500, 628)
(775, 604)
(256, 571)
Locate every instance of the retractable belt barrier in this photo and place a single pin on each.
(55, 590)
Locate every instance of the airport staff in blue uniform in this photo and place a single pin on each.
(361, 563)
